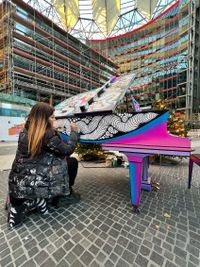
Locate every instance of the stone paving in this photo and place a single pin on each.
(102, 229)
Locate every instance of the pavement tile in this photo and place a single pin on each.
(86, 258)
(94, 249)
(194, 260)
(144, 251)
(180, 262)
(78, 250)
(59, 254)
(94, 264)
(22, 259)
(48, 263)
(157, 258)
(168, 255)
(17, 253)
(6, 260)
(101, 257)
(134, 248)
(109, 263)
(77, 237)
(68, 245)
(128, 256)
(141, 261)
(170, 264)
(29, 263)
(121, 263)
(99, 242)
(40, 257)
(33, 252)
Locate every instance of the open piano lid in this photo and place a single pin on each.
(101, 99)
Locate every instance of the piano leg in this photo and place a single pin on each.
(194, 158)
(146, 180)
(135, 169)
(190, 173)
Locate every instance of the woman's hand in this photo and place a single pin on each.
(74, 127)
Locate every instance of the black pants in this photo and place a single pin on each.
(15, 202)
(72, 172)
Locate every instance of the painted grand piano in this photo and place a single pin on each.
(138, 135)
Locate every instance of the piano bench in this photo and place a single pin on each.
(194, 158)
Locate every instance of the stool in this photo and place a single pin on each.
(194, 158)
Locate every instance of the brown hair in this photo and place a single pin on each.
(38, 124)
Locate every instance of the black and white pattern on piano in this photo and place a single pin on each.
(106, 126)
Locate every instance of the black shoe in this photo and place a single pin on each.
(73, 198)
(55, 202)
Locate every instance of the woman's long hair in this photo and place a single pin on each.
(38, 120)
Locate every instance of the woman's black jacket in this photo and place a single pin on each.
(45, 175)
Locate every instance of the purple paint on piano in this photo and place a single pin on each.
(138, 135)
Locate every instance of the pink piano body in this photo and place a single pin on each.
(153, 139)
(137, 135)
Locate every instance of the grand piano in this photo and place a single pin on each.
(137, 134)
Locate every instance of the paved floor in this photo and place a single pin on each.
(102, 229)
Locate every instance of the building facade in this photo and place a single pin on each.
(42, 62)
(164, 56)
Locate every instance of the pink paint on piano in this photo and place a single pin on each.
(154, 138)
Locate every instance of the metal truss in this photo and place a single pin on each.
(86, 27)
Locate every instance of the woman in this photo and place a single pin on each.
(39, 170)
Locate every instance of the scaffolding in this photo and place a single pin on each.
(41, 61)
(5, 47)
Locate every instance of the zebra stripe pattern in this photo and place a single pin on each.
(41, 205)
(12, 217)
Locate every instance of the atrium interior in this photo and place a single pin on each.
(53, 49)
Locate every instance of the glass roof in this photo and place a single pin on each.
(100, 19)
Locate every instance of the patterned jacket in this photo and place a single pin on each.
(45, 175)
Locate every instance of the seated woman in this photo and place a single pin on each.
(39, 171)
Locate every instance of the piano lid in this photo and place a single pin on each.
(101, 99)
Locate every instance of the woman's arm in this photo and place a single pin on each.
(53, 143)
